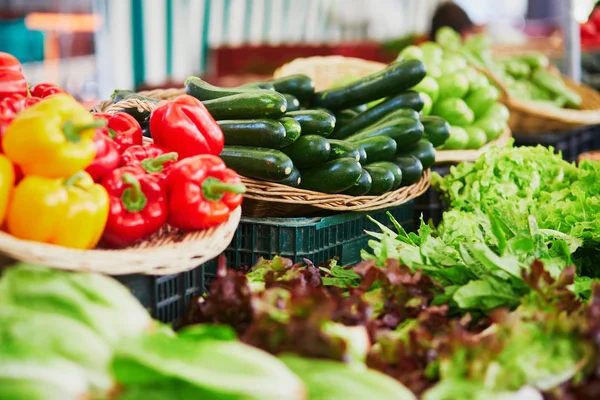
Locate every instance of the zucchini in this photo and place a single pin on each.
(394, 169)
(308, 151)
(360, 108)
(400, 113)
(411, 168)
(292, 103)
(292, 129)
(405, 131)
(314, 122)
(139, 115)
(258, 162)
(424, 151)
(375, 114)
(437, 130)
(250, 105)
(362, 186)
(343, 149)
(203, 90)
(382, 179)
(299, 85)
(259, 85)
(344, 116)
(378, 148)
(292, 179)
(255, 132)
(332, 177)
(396, 78)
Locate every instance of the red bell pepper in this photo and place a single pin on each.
(43, 90)
(123, 129)
(202, 192)
(10, 106)
(138, 206)
(184, 125)
(12, 82)
(107, 157)
(152, 158)
(9, 62)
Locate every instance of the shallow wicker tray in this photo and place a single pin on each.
(528, 118)
(169, 251)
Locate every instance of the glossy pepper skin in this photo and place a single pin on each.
(184, 125)
(10, 106)
(69, 212)
(43, 90)
(12, 82)
(123, 129)
(202, 192)
(138, 206)
(150, 157)
(7, 182)
(107, 157)
(9, 62)
(54, 138)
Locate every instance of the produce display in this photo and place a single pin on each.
(525, 76)
(458, 93)
(75, 179)
(331, 142)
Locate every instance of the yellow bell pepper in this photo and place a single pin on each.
(7, 181)
(67, 212)
(54, 138)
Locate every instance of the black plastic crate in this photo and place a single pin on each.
(429, 205)
(317, 239)
(167, 297)
(571, 144)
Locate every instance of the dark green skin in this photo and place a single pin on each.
(396, 78)
(374, 114)
(292, 179)
(437, 130)
(292, 129)
(259, 85)
(424, 151)
(400, 113)
(344, 116)
(258, 162)
(405, 131)
(343, 149)
(332, 177)
(308, 151)
(411, 168)
(362, 186)
(393, 168)
(203, 90)
(254, 132)
(292, 102)
(314, 122)
(383, 179)
(250, 105)
(360, 108)
(300, 86)
(378, 148)
(140, 116)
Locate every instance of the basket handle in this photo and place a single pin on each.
(141, 105)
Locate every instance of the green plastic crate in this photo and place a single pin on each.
(317, 239)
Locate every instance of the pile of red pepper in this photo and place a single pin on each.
(177, 180)
(590, 31)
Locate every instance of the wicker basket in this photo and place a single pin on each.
(591, 155)
(169, 251)
(528, 118)
(266, 199)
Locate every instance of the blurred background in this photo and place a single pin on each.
(90, 47)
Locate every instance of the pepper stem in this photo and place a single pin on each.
(111, 133)
(214, 189)
(133, 198)
(157, 164)
(73, 132)
(72, 180)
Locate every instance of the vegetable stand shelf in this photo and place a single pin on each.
(317, 239)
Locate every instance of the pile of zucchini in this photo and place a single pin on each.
(330, 141)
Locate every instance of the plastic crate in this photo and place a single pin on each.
(167, 297)
(571, 143)
(16, 39)
(429, 205)
(317, 239)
